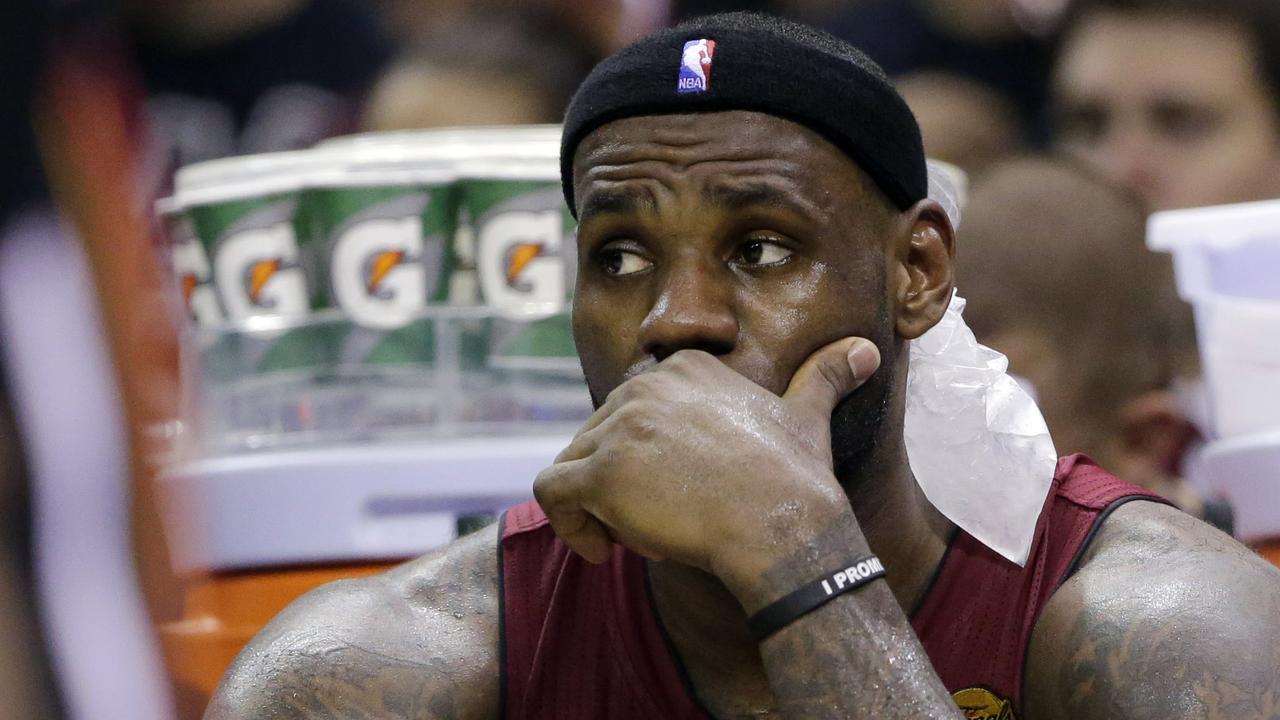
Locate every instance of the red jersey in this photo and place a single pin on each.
(583, 641)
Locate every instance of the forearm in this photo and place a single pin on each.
(855, 656)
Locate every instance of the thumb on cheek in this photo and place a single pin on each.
(832, 372)
(864, 359)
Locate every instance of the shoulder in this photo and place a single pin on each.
(420, 641)
(1166, 618)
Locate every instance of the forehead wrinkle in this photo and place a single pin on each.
(750, 190)
(749, 179)
(665, 148)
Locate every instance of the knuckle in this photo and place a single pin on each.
(572, 450)
(832, 375)
(638, 420)
(544, 486)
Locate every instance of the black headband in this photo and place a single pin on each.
(760, 63)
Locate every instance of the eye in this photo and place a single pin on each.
(618, 261)
(759, 252)
(1085, 123)
(1184, 122)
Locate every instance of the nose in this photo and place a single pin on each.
(693, 311)
(1129, 159)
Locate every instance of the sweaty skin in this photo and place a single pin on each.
(732, 269)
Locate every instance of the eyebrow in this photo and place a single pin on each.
(617, 202)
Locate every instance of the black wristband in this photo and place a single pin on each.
(792, 607)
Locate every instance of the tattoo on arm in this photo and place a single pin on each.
(1152, 668)
(364, 685)
(418, 642)
(1182, 622)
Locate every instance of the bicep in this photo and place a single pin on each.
(1191, 637)
(396, 647)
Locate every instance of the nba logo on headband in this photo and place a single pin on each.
(695, 66)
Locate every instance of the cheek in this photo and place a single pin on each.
(781, 329)
(1235, 168)
(603, 342)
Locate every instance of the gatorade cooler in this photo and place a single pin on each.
(379, 358)
(1226, 260)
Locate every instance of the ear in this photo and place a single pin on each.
(925, 268)
(1152, 429)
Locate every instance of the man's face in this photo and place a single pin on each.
(737, 233)
(1172, 107)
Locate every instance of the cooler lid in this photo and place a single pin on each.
(342, 504)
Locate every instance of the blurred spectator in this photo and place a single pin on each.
(411, 21)
(1177, 99)
(606, 26)
(25, 682)
(963, 121)
(84, 415)
(1058, 278)
(813, 12)
(588, 30)
(227, 77)
(27, 689)
(451, 81)
(987, 41)
(686, 9)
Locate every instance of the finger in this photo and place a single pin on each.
(558, 492)
(582, 445)
(832, 372)
(588, 440)
(603, 412)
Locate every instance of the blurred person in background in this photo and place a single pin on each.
(409, 22)
(995, 43)
(1086, 314)
(88, 350)
(1177, 99)
(962, 121)
(587, 30)
(27, 685)
(451, 80)
(230, 77)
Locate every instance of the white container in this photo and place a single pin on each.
(342, 504)
(1223, 250)
(1246, 470)
(1227, 264)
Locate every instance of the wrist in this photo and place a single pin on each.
(778, 560)
(805, 599)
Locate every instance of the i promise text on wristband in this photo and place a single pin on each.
(808, 598)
